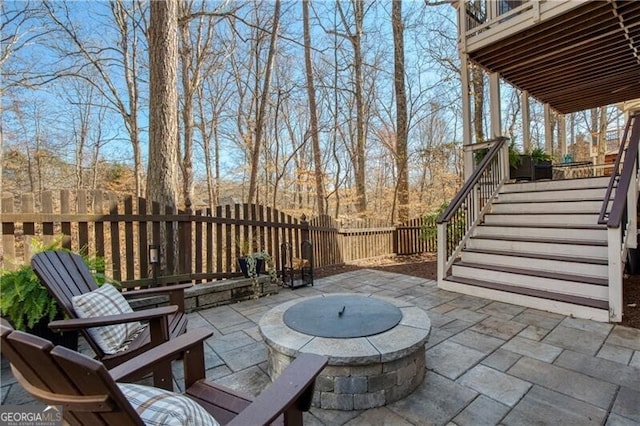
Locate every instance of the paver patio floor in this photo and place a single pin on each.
(488, 362)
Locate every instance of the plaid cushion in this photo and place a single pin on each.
(103, 301)
(161, 407)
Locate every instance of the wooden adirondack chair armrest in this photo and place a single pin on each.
(188, 346)
(80, 323)
(290, 393)
(175, 292)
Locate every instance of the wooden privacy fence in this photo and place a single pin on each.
(197, 246)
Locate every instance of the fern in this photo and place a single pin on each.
(24, 300)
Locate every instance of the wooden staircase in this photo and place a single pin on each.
(540, 246)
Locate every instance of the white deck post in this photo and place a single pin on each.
(467, 154)
(615, 274)
(548, 133)
(632, 215)
(562, 136)
(494, 99)
(526, 122)
(442, 251)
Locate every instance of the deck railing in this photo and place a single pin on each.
(621, 219)
(482, 14)
(468, 207)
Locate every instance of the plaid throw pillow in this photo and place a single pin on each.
(161, 407)
(103, 301)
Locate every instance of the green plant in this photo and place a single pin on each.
(251, 260)
(429, 228)
(514, 155)
(24, 300)
(538, 155)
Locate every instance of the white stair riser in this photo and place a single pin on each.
(557, 184)
(557, 286)
(576, 194)
(534, 264)
(543, 219)
(562, 308)
(556, 207)
(559, 233)
(589, 252)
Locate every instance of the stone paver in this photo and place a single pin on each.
(575, 339)
(487, 362)
(570, 383)
(495, 384)
(533, 349)
(545, 407)
(482, 411)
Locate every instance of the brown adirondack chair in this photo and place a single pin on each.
(89, 395)
(66, 275)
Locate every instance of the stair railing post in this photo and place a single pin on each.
(615, 274)
(442, 251)
(504, 161)
(632, 209)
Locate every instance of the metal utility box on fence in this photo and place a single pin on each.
(297, 271)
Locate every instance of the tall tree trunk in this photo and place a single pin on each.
(602, 135)
(262, 107)
(401, 111)
(359, 160)
(477, 85)
(187, 108)
(163, 105)
(311, 92)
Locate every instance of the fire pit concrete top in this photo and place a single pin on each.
(407, 336)
(342, 316)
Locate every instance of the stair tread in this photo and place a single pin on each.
(546, 225)
(580, 212)
(577, 188)
(574, 259)
(543, 240)
(545, 201)
(576, 300)
(536, 273)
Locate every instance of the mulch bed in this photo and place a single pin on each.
(425, 266)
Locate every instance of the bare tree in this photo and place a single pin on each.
(262, 106)
(401, 112)
(313, 113)
(125, 100)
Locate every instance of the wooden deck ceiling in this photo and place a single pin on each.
(587, 57)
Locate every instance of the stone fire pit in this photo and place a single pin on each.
(375, 346)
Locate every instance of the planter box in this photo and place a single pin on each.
(530, 171)
(215, 293)
(524, 171)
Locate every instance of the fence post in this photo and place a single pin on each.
(304, 228)
(185, 244)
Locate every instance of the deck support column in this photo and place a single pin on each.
(548, 130)
(494, 106)
(466, 117)
(562, 136)
(526, 122)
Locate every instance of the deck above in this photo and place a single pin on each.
(572, 55)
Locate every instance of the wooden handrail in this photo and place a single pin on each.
(602, 218)
(628, 168)
(473, 180)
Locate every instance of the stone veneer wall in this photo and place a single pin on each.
(360, 387)
(216, 293)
